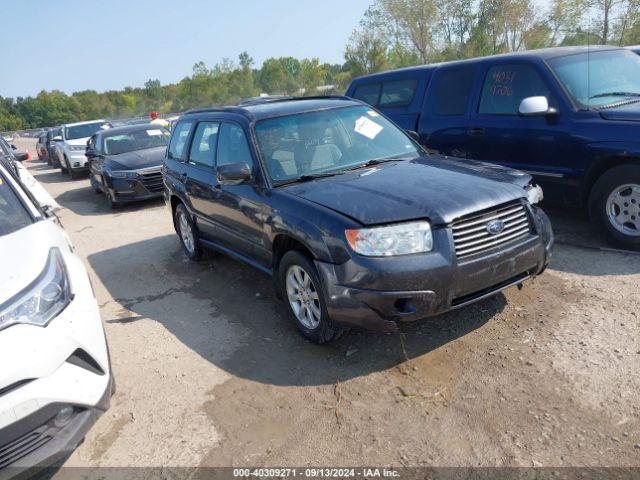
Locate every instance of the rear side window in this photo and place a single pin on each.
(506, 85)
(179, 140)
(398, 94)
(233, 146)
(451, 89)
(203, 145)
(369, 93)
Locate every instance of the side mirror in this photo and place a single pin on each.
(535, 107)
(57, 138)
(414, 135)
(233, 173)
(89, 153)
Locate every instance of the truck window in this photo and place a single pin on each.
(399, 93)
(451, 89)
(368, 93)
(506, 85)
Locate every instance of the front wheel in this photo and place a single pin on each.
(305, 299)
(187, 232)
(615, 204)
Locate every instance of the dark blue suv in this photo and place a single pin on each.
(568, 116)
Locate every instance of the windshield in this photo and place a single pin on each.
(135, 140)
(84, 131)
(597, 79)
(12, 212)
(329, 141)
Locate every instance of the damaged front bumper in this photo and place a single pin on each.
(377, 293)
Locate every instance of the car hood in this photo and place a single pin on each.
(23, 255)
(150, 157)
(629, 113)
(434, 187)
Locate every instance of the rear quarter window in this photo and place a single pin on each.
(451, 89)
(178, 142)
(398, 93)
(368, 93)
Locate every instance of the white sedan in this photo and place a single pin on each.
(55, 375)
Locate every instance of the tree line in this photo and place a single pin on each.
(391, 34)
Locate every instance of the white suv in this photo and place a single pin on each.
(55, 375)
(69, 147)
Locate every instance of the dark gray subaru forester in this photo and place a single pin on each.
(355, 222)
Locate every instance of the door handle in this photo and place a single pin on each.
(476, 131)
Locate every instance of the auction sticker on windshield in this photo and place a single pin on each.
(368, 128)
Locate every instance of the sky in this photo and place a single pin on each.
(73, 45)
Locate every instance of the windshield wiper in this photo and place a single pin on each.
(615, 94)
(309, 176)
(378, 161)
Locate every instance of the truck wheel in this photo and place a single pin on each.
(305, 298)
(187, 233)
(615, 204)
(63, 169)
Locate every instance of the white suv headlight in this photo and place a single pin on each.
(43, 299)
(534, 194)
(398, 239)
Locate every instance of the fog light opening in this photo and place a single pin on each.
(76, 164)
(63, 417)
(403, 305)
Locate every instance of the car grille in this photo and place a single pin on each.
(24, 445)
(151, 179)
(471, 235)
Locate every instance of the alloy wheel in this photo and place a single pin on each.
(623, 209)
(303, 297)
(186, 233)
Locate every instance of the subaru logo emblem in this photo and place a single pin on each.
(494, 227)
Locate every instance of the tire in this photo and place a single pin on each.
(63, 169)
(187, 232)
(614, 204)
(305, 299)
(113, 203)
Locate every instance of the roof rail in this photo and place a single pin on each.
(230, 109)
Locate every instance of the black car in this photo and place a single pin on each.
(355, 222)
(52, 158)
(125, 162)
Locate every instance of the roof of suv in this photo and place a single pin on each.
(281, 107)
(543, 53)
(82, 123)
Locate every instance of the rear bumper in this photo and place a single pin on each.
(38, 441)
(377, 293)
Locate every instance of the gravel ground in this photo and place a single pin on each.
(210, 371)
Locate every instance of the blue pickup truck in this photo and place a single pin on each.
(569, 116)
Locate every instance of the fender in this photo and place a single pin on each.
(306, 226)
(601, 156)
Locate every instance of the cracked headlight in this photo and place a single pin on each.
(398, 239)
(534, 194)
(43, 299)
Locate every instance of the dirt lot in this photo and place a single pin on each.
(210, 371)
